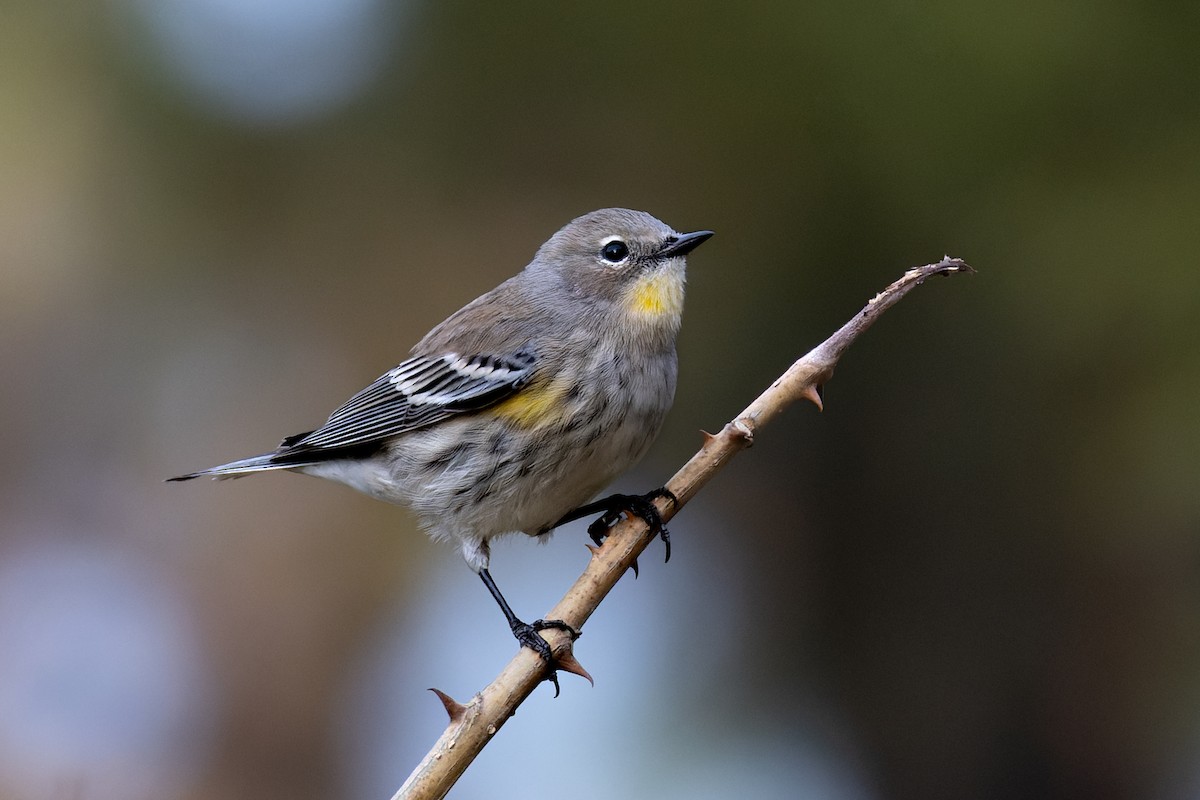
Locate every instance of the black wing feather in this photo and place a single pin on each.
(419, 392)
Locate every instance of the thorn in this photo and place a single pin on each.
(595, 551)
(634, 567)
(708, 437)
(455, 709)
(568, 663)
(813, 395)
(744, 431)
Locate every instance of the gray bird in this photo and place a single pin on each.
(522, 405)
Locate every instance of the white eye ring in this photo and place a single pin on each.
(613, 251)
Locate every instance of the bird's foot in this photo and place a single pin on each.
(635, 505)
(526, 634)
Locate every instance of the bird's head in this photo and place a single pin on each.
(630, 262)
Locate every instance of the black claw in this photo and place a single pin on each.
(598, 530)
(637, 505)
(663, 533)
(556, 624)
(527, 633)
(663, 492)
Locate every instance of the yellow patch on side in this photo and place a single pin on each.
(657, 293)
(534, 405)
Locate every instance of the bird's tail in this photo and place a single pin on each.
(236, 469)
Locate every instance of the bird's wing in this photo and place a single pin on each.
(419, 392)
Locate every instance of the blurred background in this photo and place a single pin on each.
(975, 575)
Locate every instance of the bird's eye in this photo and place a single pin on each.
(614, 252)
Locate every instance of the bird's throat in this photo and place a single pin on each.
(657, 293)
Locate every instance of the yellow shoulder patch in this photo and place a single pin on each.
(535, 405)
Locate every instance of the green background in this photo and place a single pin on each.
(975, 575)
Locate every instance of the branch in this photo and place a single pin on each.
(472, 725)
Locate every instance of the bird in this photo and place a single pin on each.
(520, 407)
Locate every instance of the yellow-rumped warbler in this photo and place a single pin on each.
(524, 403)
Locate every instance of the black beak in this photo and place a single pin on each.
(683, 244)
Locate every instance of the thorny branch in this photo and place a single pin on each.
(474, 723)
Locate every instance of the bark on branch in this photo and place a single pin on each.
(473, 724)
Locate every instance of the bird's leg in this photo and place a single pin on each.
(637, 505)
(527, 632)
